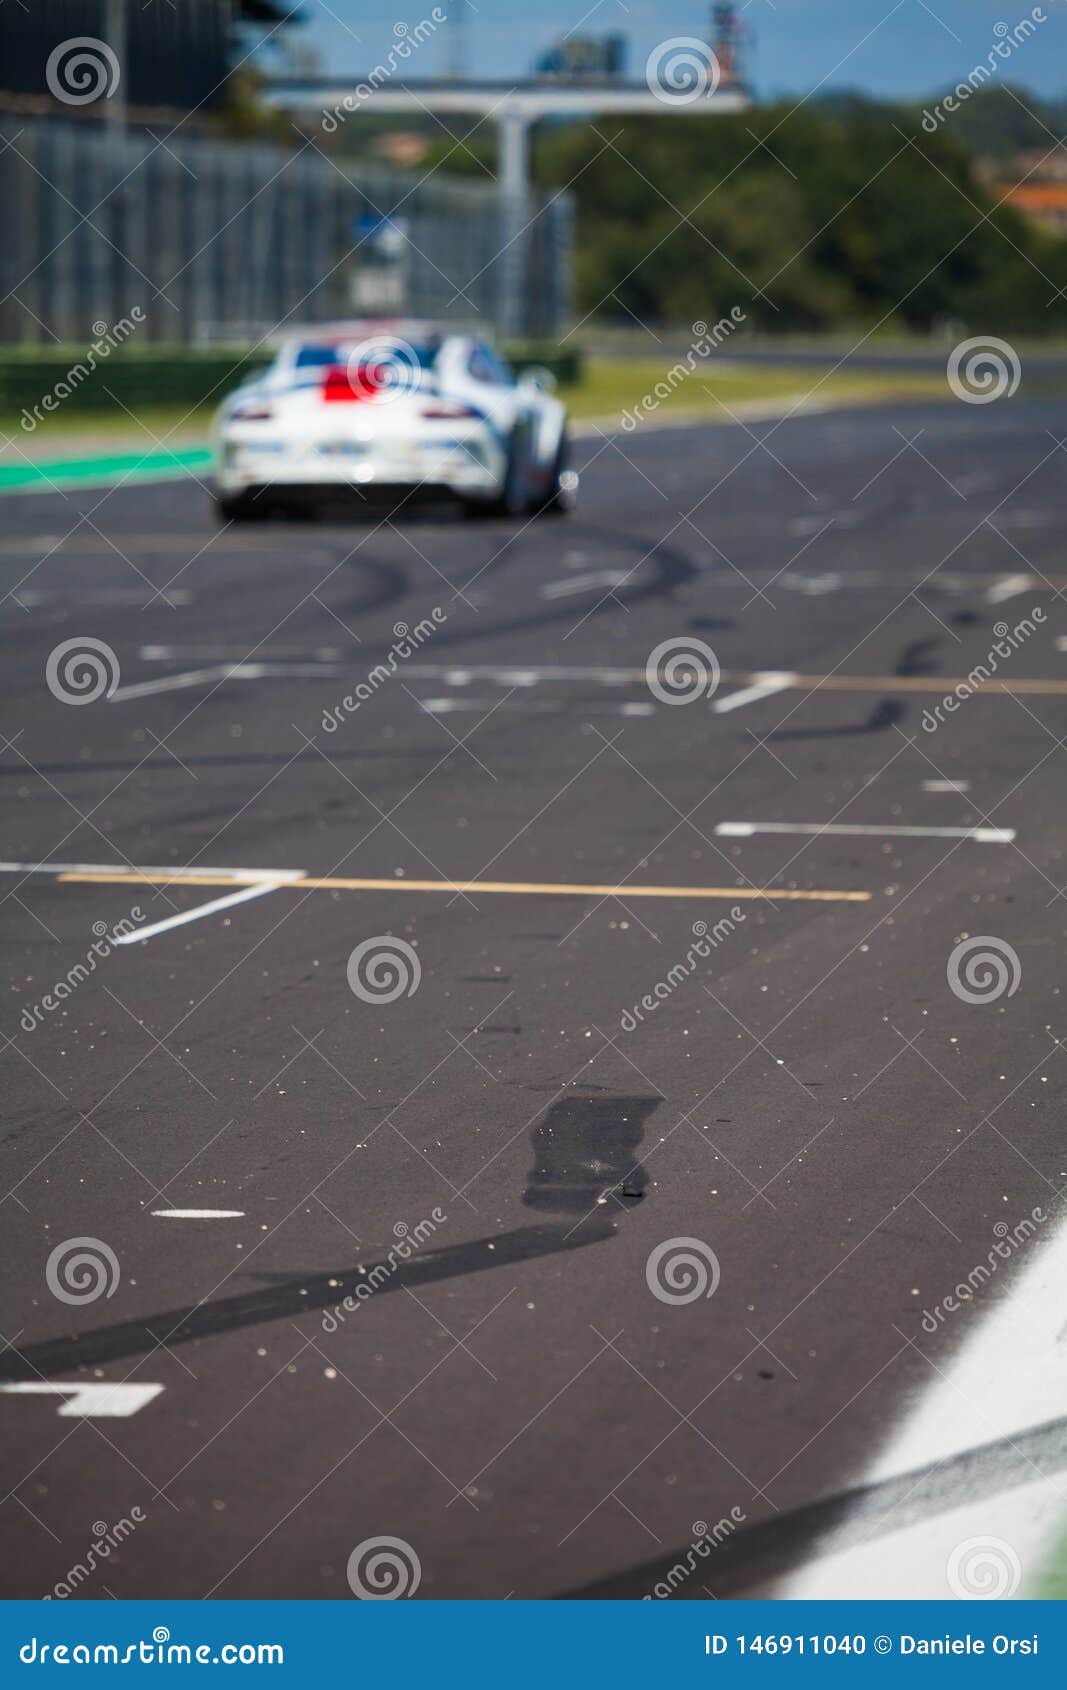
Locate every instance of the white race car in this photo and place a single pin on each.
(390, 410)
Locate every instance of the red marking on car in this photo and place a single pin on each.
(343, 386)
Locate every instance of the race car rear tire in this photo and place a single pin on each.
(510, 501)
(238, 507)
(563, 496)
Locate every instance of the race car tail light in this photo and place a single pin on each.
(447, 413)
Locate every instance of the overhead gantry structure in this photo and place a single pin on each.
(514, 107)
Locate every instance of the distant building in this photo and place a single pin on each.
(1042, 202)
(176, 56)
(1035, 185)
(404, 147)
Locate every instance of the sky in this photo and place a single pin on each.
(902, 48)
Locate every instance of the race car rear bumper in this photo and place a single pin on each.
(464, 468)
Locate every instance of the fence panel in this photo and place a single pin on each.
(221, 241)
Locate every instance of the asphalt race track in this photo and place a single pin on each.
(835, 1130)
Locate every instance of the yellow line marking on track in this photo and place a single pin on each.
(922, 683)
(518, 888)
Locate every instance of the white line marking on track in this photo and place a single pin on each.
(199, 1214)
(946, 785)
(241, 875)
(1008, 587)
(174, 683)
(981, 835)
(201, 910)
(221, 653)
(812, 586)
(765, 688)
(1009, 1376)
(220, 672)
(31, 597)
(89, 1402)
(609, 578)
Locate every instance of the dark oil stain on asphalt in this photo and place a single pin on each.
(583, 1148)
(918, 657)
(886, 714)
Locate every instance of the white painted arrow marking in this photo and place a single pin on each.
(765, 687)
(89, 1402)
